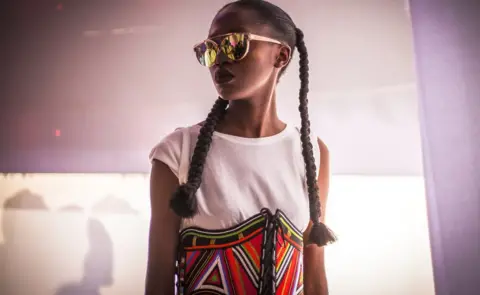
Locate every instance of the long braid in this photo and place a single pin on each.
(320, 234)
(183, 201)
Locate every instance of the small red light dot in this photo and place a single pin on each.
(58, 133)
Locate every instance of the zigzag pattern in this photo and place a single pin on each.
(234, 270)
(249, 258)
(245, 260)
(289, 270)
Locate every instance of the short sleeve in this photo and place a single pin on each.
(168, 151)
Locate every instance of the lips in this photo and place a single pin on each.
(223, 76)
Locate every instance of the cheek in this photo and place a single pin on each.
(258, 70)
(257, 64)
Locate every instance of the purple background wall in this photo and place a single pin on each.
(447, 47)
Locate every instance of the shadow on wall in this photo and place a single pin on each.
(98, 261)
(98, 264)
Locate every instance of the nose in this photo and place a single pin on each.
(221, 58)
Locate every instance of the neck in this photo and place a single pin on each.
(252, 117)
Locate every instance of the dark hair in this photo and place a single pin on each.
(283, 28)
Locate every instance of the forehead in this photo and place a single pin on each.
(236, 19)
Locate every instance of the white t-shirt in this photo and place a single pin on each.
(242, 175)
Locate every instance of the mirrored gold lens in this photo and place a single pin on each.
(206, 53)
(234, 46)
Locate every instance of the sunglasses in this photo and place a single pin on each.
(234, 46)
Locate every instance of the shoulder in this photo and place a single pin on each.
(169, 142)
(169, 149)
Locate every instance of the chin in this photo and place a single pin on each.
(233, 91)
(229, 94)
(229, 98)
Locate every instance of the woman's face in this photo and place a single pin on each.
(257, 70)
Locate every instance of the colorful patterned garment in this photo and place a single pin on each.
(262, 255)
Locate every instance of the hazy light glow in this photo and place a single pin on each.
(381, 223)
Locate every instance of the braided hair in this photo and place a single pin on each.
(184, 202)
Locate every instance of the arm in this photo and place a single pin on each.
(315, 277)
(164, 227)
